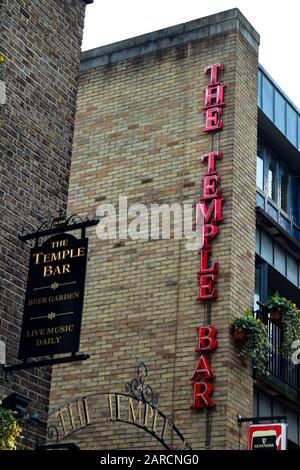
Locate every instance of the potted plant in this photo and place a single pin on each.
(284, 312)
(252, 335)
(277, 306)
(10, 430)
(239, 335)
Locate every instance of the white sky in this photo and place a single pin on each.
(277, 22)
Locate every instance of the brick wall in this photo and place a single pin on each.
(139, 133)
(41, 41)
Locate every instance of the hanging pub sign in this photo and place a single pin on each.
(54, 297)
(268, 437)
(54, 293)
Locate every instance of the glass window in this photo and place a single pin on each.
(264, 405)
(260, 172)
(278, 409)
(292, 270)
(257, 293)
(267, 247)
(259, 88)
(291, 125)
(284, 189)
(272, 186)
(293, 425)
(298, 133)
(280, 111)
(267, 96)
(279, 259)
(257, 241)
(295, 199)
(279, 185)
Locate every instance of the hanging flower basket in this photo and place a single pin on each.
(277, 306)
(240, 336)
(283, 312)
(276, 316)
(251, 335)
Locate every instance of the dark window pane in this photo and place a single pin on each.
(280, 111)
(284, 189)
(257, 293)
(279, 259)
(295, 200)
(272, 187)
(292, 270)
(267, 247)
(260, 149)
(267, 96)
(291, 125)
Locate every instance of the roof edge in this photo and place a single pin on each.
(195, 30)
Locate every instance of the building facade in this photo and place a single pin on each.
(149, 109)
(277, 243)
(40, 46)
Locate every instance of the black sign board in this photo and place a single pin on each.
(54, 297)
(264, 442)
(59, 221)
(269, 436)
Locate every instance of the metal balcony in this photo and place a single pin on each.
(283, 375)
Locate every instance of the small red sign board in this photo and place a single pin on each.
(268, 437)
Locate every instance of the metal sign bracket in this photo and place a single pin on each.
(45, 362)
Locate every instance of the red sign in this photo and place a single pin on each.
(267, 437)
(209, 213)
(203, 389)
(209, 210)
(214, 99)
(210, 206)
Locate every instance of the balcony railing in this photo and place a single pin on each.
(283, 374)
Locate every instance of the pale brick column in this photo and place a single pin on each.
(139, 133)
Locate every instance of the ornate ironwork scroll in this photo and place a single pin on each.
(59, 224)
(138, 387)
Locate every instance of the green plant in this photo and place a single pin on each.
(277, 302)
(257, 342)
(10, 430)
(291, 330)
(290, 321)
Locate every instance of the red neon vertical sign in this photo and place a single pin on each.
(209, 209)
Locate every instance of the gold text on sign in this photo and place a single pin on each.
(64, 254)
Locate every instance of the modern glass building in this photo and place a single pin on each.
(277, 241)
